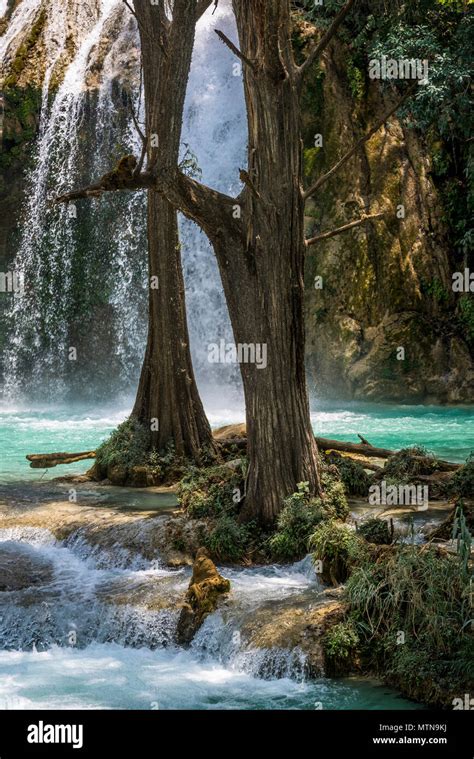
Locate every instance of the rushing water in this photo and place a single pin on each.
(64, 645)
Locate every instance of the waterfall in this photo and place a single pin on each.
(84, 267)
(75, 259)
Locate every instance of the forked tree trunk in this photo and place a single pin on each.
(167, 394)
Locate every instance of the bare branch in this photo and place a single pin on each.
(318, 48)
(234, 49)
(110, 182)
(345, 228)
(322, 179)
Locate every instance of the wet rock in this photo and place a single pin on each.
(294, 624)
(205, 590)
(117, 475)
(21, 567)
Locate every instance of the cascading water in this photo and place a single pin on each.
(78, 264)
(84, 267)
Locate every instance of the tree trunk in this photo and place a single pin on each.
(263, 268)
(167, 392)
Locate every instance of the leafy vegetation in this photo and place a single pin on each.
(375, 531)
(211, 492)
(462, 482)
(337, 547)
(126, 447)
(411, 605)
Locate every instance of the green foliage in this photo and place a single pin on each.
(375, 531)
(310, 159)
(228, 541)
(210, 492)
(339, 644)
(356, 80)
(126, 447)
(338, 547)
(295, 523)
(408, 463)
(421, 592)
(466, 308)
(335, 502)
(463, 537)
(301, 513)
(355, 479)
(424, 594)
(435, 289)
(462, 483)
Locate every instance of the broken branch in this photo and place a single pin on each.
(344, 228)
(234, 49)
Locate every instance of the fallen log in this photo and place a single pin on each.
(380, 453)
(49, 460)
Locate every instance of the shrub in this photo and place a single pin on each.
(424, 594)
(408, 463)
(228, 541)
(335, 502)
(376, 531)
(126, 447)
(337, 546)
(210, 492)
(355, 479)
(295, 524)
(340, 644)
(462, 483)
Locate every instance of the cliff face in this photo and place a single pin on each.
(387, 285)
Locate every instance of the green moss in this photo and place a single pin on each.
(211, 492)
(22, 54)
(355, 479)
(127, 446)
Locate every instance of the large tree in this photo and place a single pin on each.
(167, 402)
(167, 390)
(259, 242)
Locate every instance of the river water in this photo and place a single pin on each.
(121, 655)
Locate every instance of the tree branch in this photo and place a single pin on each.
(318, 48)
(110, 182)
(234, 49)
(344, 228)
(322, 179)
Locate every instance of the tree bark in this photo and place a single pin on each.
(167, 390)
(261, 260)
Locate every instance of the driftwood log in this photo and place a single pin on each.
(48, 460)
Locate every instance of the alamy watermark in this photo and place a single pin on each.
(399, 495)
(12, 282)
(240, 353)
(403, 68)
